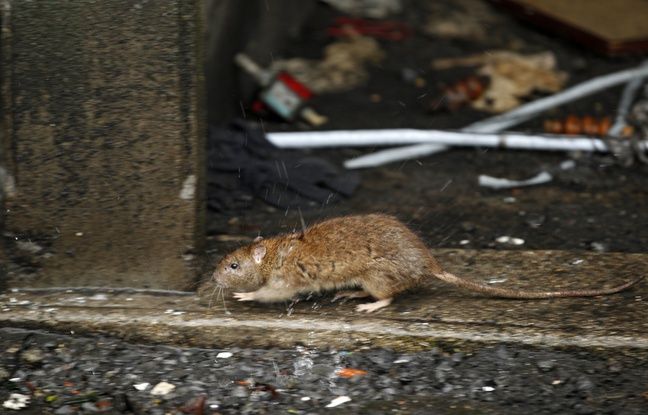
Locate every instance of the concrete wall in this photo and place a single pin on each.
(103, 138)
(103, 131)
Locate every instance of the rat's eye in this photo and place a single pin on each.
(233, 265)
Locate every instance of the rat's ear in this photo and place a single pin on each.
(258, 252)
(258, 239)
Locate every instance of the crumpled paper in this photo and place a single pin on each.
(343, 67)
(512, 76)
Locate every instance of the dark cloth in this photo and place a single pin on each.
(242, 162)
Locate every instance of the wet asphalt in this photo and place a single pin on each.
(70, 374)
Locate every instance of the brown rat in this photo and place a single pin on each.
(375, 252)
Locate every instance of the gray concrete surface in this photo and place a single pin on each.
(437, 313)
(103, 138)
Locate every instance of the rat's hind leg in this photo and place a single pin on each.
(382, 287)
(350, 294)
(371, 307)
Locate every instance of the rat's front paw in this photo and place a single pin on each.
(244, 296)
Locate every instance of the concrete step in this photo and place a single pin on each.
(418, 320)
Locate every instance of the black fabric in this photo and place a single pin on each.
(242, 162)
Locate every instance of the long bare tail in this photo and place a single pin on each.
(522, 294)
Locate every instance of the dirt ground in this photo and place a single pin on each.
(596, 205)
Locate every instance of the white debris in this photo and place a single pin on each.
(464, 242)
(338, 401)
(174, 312)
(79, 234)
(141, 386)
(488, 388)
(99, 297)
(577, 261)
(188, 188)
(16, 401)
(567, 164)
(306, 398)
(509, 240)
(496, 280)
(224, 355)
(162, 388)
(500, 183)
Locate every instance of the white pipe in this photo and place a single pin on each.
(501, 122)
(361, 138)
(627, 98)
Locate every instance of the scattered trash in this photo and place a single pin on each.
(338, 401)
(243, 163)
(281, 92)
(499, 280)
(501, 122)
(375, 9)
(510, 240)
(162, 388)
(512, 77)
(462, 92)
(16, 401)
(342, 68)
(586, 125)
(350, 372)
(470, 19)
(488, 388)
(500, 183)
(567, 165)
(141, 386)
(379, 29)
(306, 398)
(98, 297)
(224, 355)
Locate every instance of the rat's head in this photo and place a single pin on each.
(241, 269)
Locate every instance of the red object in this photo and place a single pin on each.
(296, 86)
(381, 29)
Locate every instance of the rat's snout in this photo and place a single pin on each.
(219, 279)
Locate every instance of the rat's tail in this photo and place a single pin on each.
(522, 294)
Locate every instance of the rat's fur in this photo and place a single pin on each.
(375, 252)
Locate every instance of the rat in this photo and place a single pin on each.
(375, 252)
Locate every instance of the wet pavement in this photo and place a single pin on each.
(69, 374)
